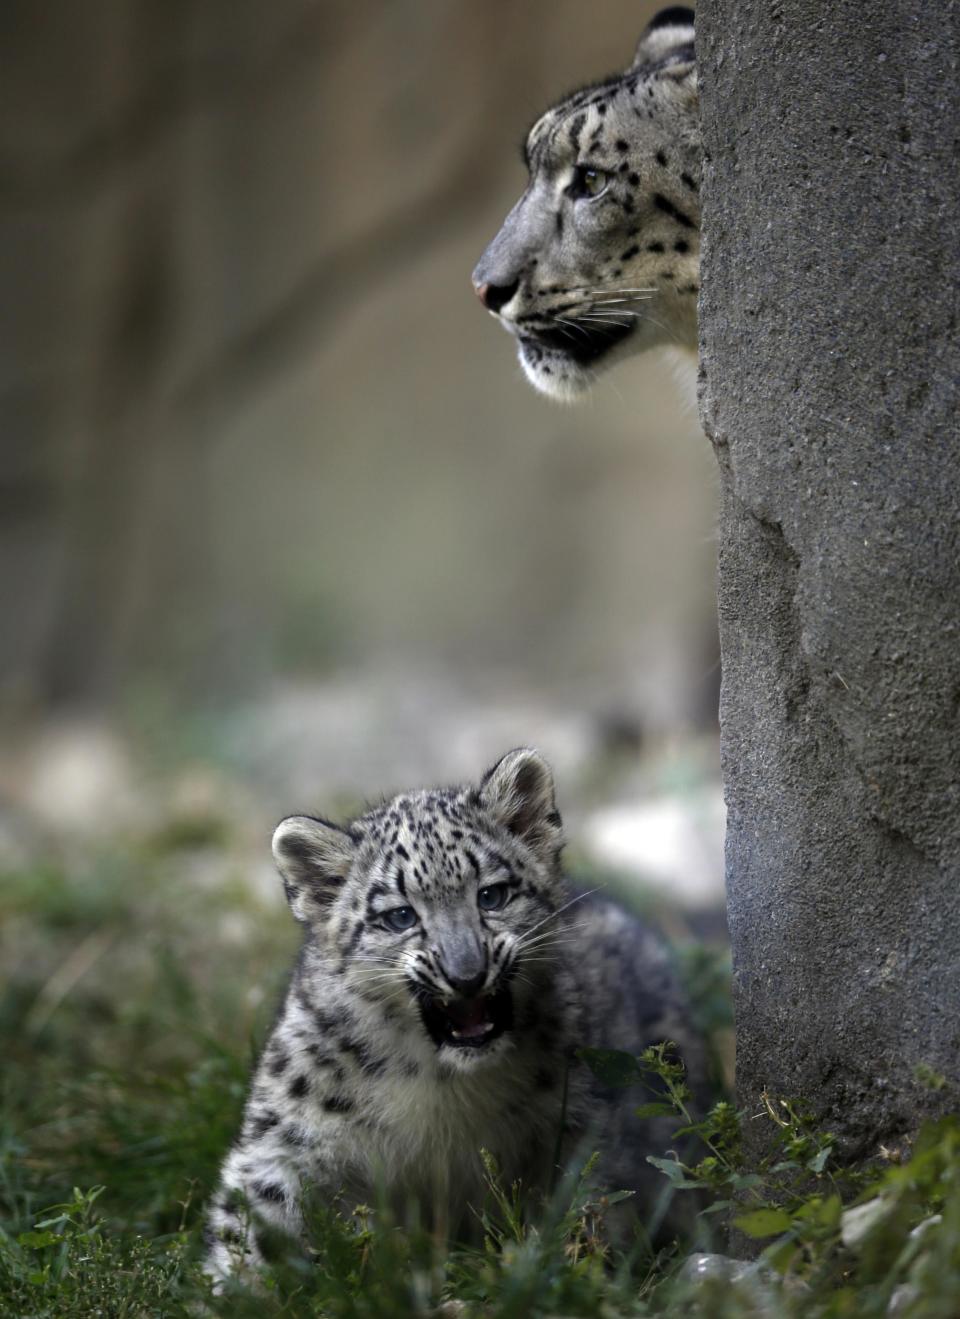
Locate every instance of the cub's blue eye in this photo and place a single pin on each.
(492, 897)
(399, 918)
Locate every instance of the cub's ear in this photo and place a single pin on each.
(666, 43)
(518, 792)
(314, 859)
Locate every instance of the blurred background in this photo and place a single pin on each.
(283, 528)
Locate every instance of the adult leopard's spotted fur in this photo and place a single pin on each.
(599, 258)
(447, 976)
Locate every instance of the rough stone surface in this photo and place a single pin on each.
(830, 391)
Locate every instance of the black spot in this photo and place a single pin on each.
(323, 1018)
(681, 245)
(294, 1136)
(402, 851)
(576, 128)
(633, 179)
(269, 1191)
(622, 144)
(278, 1064)
(338, 1104)
(298, 1087)
(655, 247)
(661, 157)
(690, 288)
(372, 1066)
(602, 108)
(666, 205)
(688, 181)
(675, 16)
(261, 1123)
(559, 223)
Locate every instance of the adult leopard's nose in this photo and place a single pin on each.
(494, 296)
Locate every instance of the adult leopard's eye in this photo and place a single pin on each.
(492, 897)
(588, 182)
(399, 918)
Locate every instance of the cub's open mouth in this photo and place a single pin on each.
(583, 345)
(467, 1023)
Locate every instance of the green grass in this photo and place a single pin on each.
(134, 996)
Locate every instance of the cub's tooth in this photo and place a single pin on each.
(455, 1034)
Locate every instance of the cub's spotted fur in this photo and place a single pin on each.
(599, 258)
(447, 975)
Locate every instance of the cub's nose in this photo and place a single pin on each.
(495, 296)
(468, 986)
(463, 961)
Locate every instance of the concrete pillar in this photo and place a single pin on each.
(830, 369)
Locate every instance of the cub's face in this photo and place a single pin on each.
(439, 906)
(599, 258)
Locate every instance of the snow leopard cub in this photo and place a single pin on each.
(448, 973)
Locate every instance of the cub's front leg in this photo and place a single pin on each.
(286, 1149)
(256, 1190)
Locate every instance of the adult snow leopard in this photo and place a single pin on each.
(599, 258)
(447, 976)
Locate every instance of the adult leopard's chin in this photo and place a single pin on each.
(565, 367)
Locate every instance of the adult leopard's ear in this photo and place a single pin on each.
(666, 45)
(313, 858)
(519, 793)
